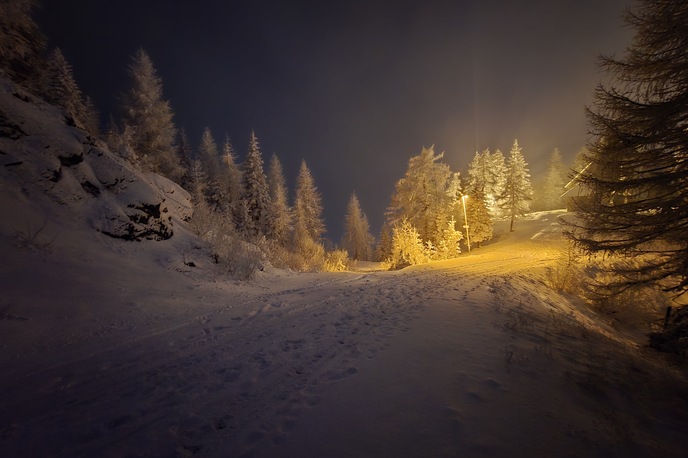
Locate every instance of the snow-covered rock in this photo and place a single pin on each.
(43, 156)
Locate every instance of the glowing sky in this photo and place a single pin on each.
(355, 87)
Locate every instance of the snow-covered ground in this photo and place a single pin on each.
(113, 348)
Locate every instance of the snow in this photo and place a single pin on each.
(115, 348)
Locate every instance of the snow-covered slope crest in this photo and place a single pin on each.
(47, 163)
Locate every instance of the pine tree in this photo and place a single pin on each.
(281, 213)
(210, 159)
(60, 88)
(383, 249)
(488, 171)
(478, 217)
(554, 182)
(256, 193)
(357, 236)
(517, 191)
(185, 153)
(209, 156)
(308, 205)
(448, 246)
(21, 43)
(90, 118)
(151, 118)
(421, 196)
(638, 177)
(232, 183)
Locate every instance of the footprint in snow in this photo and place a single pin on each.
(343, 374)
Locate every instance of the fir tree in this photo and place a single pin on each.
(357, 236)
(421, 196)
(185, 153)
(478, 217)
(638, 178)
(59, 87)
(488, 171)
(554, 182)
(383, 249)
(209, 156)
(151, 118)
(21, 43)
(231, 184)
(308, 205)
(256, 195)
(281, 213)
(517, 194)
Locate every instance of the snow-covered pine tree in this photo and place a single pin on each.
(357, 236)
(90, 118)
(281, 213)
(454, 193)
(256, 194)
(488, 171)
(421, 195)
(21, 43)
(210, 158)
(60, 88)
(554, 182)
(517, 194)
(151, 118)
(478, 217)
(232, 187)
(308, 205)
(638, 180)
(186, 161)
(448, 247)
(198, 182)
(383, 249)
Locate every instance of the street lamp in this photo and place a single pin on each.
(465, 218)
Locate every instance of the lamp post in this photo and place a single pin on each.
(465, 219)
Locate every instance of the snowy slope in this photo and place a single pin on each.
(116, 348)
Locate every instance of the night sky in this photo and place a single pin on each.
(355, 87)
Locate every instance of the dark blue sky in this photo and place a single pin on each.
(358, 87)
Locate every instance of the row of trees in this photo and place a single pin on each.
(431, 204)
(250, 205)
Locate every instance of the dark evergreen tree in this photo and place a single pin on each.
(256, 195)
(21, 43)
(281, 213)
(637, 183)
(151, 119)
(478, 217)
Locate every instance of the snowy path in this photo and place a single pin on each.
(470, 357)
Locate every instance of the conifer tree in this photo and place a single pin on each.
(185, 153)
(357, 236)
(209, 156)
(488, 171)
(256, 194)
(21, 43)
(517, 194)
(421, 196)
(230, 183)
(638, 178)
(151, 118)
(308, 205)
(478, 217)
(383, 249)
(60, 88)
(554, 182)
(281, 213)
